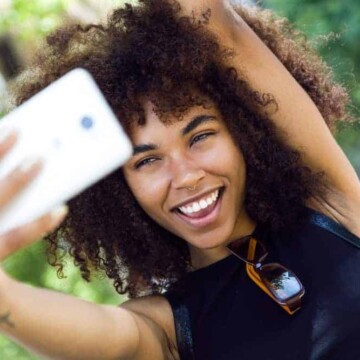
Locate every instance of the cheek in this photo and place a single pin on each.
(149, 191)
(239, 175)
(225, 159)
(239, 161)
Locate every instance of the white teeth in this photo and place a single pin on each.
(202, 204)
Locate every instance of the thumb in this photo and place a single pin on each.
(27, 234)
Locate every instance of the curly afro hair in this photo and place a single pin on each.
(150, 51)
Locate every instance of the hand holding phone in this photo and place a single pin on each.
(10, 187)
(72, 128)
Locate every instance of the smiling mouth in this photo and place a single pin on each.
(203, 212)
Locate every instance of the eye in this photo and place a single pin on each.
(145, 162)
(200, 137)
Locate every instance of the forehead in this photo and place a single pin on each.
(155, 123)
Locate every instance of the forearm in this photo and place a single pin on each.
(264, 72)
(58, 326)
(255, 62)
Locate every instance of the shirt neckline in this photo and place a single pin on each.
(215, 266)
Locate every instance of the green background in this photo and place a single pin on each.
(30, 21)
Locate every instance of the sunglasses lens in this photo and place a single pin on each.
(280, 281)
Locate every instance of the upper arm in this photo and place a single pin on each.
(156, 333)
(124, 334)
(134, 335)
(299, 121)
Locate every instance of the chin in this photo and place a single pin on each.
(212, 241)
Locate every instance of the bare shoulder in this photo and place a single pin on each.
(342, 207)
(155, 321)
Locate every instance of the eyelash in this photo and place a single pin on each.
(144, 162)
(200, 137)
(194, 140)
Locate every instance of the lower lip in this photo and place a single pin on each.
(206, 220)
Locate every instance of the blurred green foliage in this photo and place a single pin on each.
(30, 21)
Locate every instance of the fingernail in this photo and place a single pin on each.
(6, 132)
(59, 212)
(28, 164)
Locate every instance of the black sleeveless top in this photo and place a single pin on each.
(220, 314)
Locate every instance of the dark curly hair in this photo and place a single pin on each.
(150, 51)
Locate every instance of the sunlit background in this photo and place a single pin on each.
(23, 25)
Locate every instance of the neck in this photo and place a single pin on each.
(204, 257)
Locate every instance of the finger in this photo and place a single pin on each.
(8, 139)
(21, 176)
(27, 234)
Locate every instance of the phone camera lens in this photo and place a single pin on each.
(87, 122)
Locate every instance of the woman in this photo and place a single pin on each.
(228, 142)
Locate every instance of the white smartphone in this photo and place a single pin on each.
(72, 128)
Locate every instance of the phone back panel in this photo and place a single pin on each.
(71, 126)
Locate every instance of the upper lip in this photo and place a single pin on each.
(195, 198)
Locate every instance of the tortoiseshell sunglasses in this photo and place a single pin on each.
(279, 282)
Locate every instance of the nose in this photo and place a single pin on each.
(186, 174)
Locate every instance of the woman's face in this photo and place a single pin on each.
(169, 160)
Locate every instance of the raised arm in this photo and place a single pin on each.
(59, 326)
(297, 115)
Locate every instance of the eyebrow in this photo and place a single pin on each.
(138, 149)
(193, 124)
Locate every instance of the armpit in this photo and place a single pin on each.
(341, 208)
